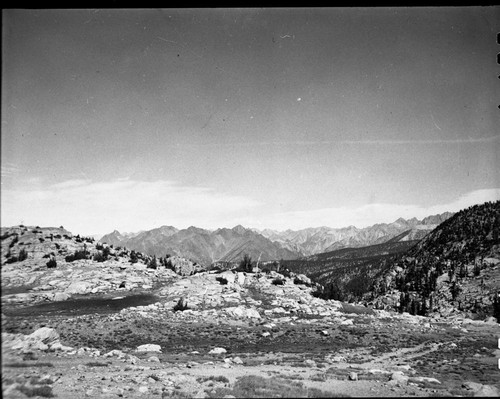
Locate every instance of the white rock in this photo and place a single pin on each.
(243, 312)
(45, 334)
(217, 351)
(78, 287)
(149, 348)
(143, 389)
(426, 379)
(399, 377)
(237, 360)
(229, 276)
(115, 352)
(60, 296)
(240, 278)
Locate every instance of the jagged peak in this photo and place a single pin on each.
(239, 229)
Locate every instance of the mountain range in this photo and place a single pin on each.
(229, 245)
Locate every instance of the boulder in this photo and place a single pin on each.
(229, 276)
(57, 346)
(45, 335)
(481, 390)
(302, 278)
(237, 360)
(398, 378)
(240, 278)
(115, 352)
(217, 351)
(38, 340)
(78, 287)
(60, 296)
(243, 312)
(149, 348)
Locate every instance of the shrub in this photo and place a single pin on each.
(44, 391)
(278, 281)
(219, 378)
(76, 256)
(169, 265)
(30, 356)
(246, 264)
(100, 257)
(22, 255)
(51, 264)
(28, 364)
(221, 280)
(181, 305)
(97, 364)
(286, 272)
(154, 377)
(4, 236)
(152, 264)
(496, 308)
(14, 240)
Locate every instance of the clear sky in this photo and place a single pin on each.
(270, 118)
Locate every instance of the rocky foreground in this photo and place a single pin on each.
(231, 335)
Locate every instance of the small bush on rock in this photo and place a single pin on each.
(278, 281)
(100, 257)
(76, 256)
(22, 255)
(51, 264)
(221, 280)
(181, 305)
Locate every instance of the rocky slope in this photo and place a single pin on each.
(52, 264)
(348, 273)
(454, 268)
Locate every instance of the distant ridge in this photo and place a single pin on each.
(203, 246)
(230, 245)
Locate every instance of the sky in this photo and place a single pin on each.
(269, 118)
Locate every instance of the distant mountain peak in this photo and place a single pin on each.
(239, 229)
